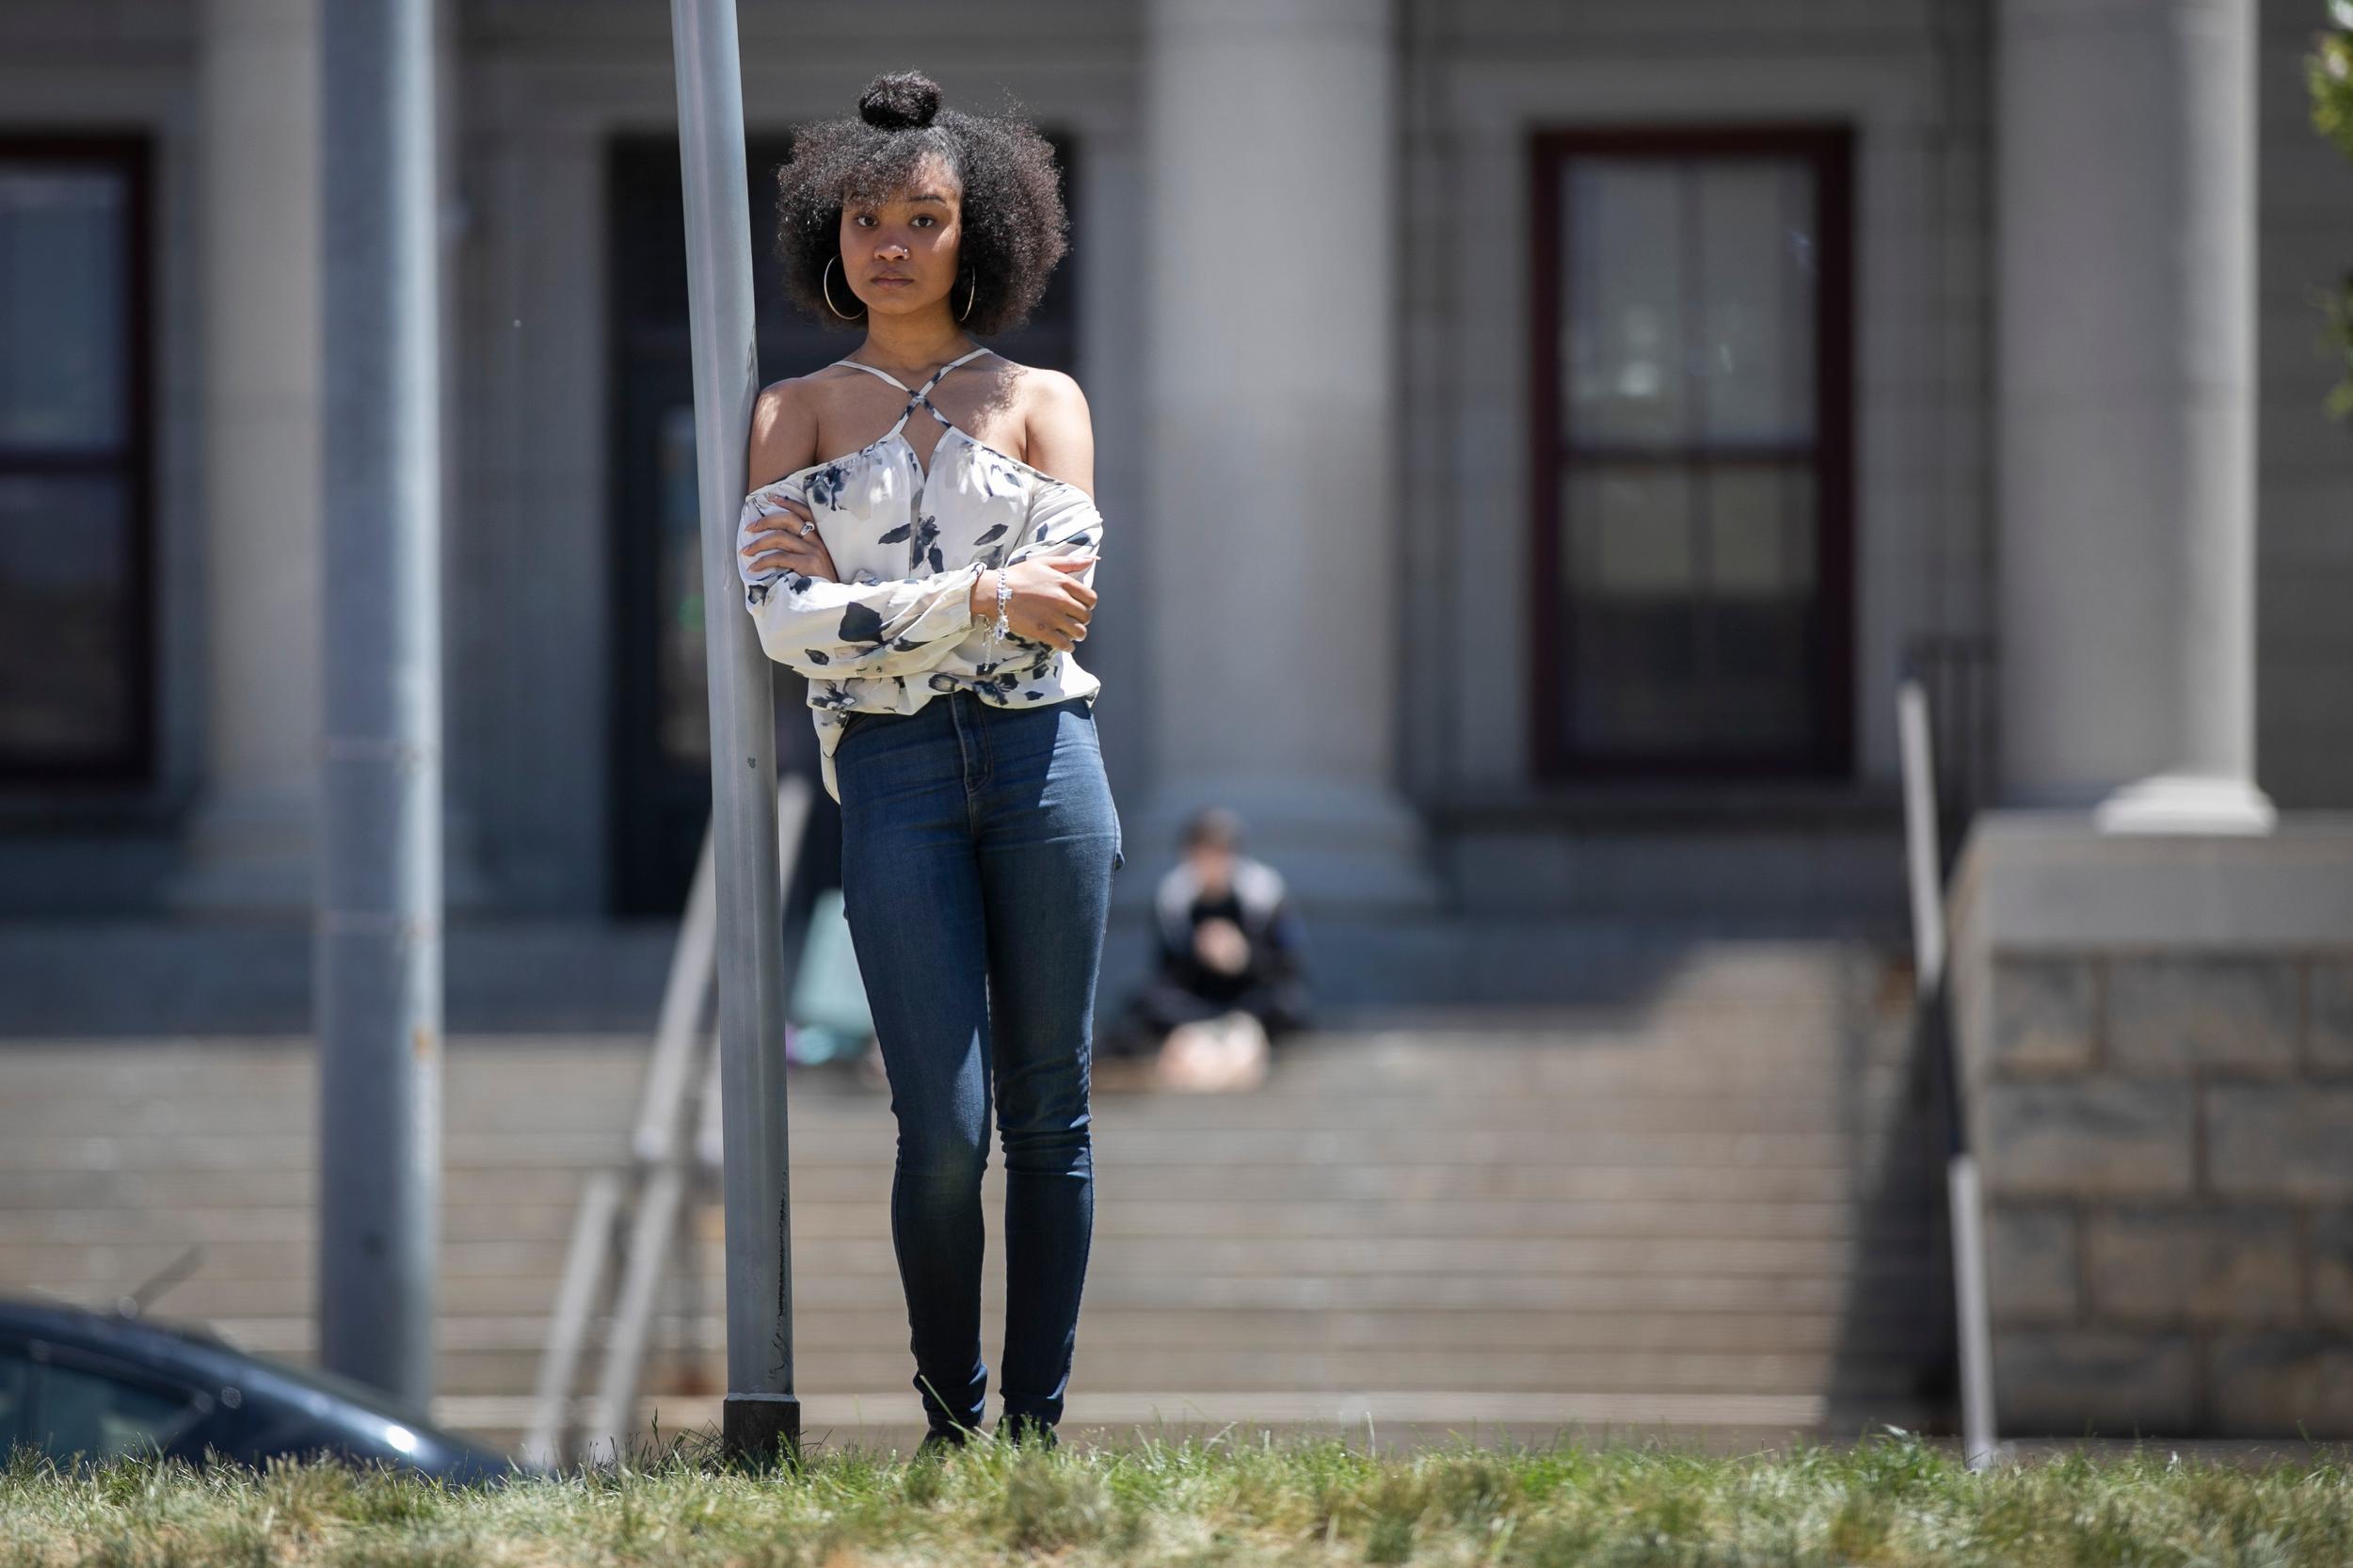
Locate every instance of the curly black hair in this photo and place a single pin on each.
(1014, 229)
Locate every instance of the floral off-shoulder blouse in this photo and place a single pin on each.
(899, 628)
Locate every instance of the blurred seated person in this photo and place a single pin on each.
(1229, 983)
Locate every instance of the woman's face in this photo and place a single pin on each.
(901, 253)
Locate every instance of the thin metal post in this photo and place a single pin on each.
(761, 1412)
(378, 935)
(547, 1440)
(1980, 1446)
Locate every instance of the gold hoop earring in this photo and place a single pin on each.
(824, 284)
(969, 289)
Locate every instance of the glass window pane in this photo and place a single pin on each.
(1635, 688)
(67, 684)
(84, 1412)
(62, 252)
(16, 1392)
(1631, 607)
(1684, 640)
(1762, 614)
(1760, 530)
(1759, 675)
(1756, 317)
(1625, 331)
(1629, 531)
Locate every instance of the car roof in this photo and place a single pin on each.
(193, 1348)
(62, 1319)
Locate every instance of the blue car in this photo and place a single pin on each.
(94, 1386)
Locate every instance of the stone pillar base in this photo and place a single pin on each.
(2156, 1034)
(2187, 803)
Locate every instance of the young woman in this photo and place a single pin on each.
(932, 581)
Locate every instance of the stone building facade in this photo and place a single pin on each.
(1592, 407)
(1502, 747)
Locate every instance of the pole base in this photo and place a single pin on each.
(760, 1429)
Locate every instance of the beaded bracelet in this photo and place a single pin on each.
(1004, 625)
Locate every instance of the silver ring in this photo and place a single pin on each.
(807, 526)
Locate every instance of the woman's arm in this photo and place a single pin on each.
(899, 626)
(1062, 519)
(1060, 430)
(1060, 527)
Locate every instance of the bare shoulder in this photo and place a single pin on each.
(784, 429)
(1058, 426)
(1053, 390)
(1037, 391)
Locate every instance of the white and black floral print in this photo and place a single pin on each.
(899, 628)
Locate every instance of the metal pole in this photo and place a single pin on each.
(1980, 1445)
(762, 1410)
(377, 936)
(1924, 869)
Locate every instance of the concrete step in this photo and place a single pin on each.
(1199, 1365)
(144, 978)
(165, 1192)
(1559, 1050)
(1635, 1096)
(293, 1225)
(1864, 1323)
(202, 1298)
(1142, 1148)
(1710, 1194)
(68, 1265)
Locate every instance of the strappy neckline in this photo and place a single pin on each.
(927, 386)
(921, 395)
(897, 430)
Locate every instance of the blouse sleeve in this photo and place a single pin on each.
(896, 627)
(1062, 520)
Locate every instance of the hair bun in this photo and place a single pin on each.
(900, 101)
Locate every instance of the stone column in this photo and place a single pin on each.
(1271, 369)
(2126, 398)
(249, 845)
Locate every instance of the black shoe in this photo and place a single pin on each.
(1026, 1429)
(939, 1440)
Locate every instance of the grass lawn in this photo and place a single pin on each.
(1890, 1500)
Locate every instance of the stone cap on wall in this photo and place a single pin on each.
(2029, 879)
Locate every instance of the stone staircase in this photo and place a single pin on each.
(1706, 1212)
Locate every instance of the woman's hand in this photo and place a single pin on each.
(1045, 601)
(779, 541)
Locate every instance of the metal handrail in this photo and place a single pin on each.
(1924, 873)
(674, 1160)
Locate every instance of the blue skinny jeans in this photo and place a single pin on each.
(978, 845)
